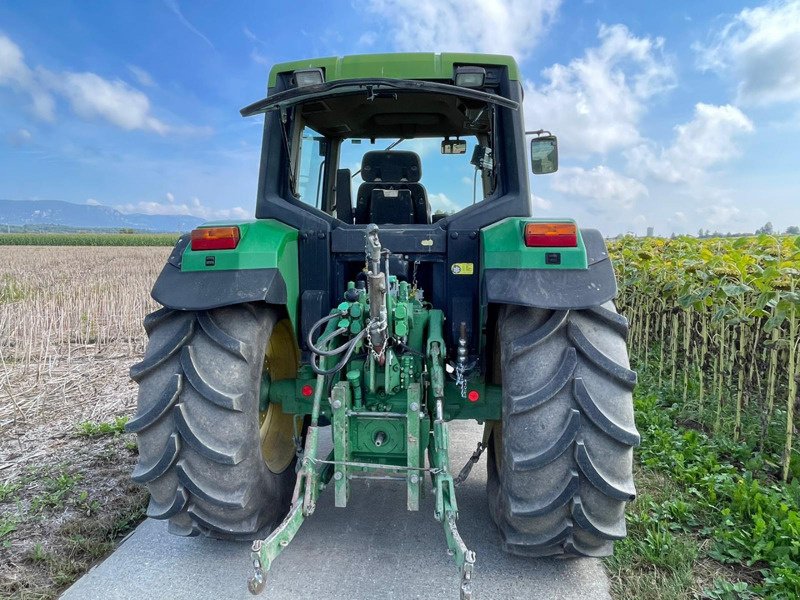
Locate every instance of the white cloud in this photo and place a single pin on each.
(250, 35)
(760, 47)
(678, 218)
(594, 104)
(707, 140)
(15, 73)
(494, 26)
(176, 10)
(368, 38)
(421, 146)
(92, 96)
(604, 187)
(259, 58)
(194, 208)
(92, 202)
(143, 77)
(170, 197)
(89, 95)
(640, 221)
(256, 55)
(720, 214)
(440, 202)
(540, 203)
(20, 137)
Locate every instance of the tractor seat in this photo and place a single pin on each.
(391, 192)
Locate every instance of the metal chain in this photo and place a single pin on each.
(377, 355)
(414, 280)
(461, 381)
(464, 473)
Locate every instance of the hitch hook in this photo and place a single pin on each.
(258, 580)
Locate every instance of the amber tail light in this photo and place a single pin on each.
(215, 238)
(551, 235)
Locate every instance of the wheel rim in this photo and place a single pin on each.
(276, 427)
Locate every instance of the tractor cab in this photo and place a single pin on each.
(430, 154)
(356, 149)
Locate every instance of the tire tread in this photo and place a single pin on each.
(197, 423)
(563, 497)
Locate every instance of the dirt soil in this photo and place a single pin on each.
(66, 498)
(70, 328)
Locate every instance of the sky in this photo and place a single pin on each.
(674, 115)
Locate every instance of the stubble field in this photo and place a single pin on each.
(70, 326)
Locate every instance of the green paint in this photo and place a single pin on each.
(413, 447)
(288, 394)
(280, 538)
(263, 244)
(446, 508)
(487, 408)
(503, 247)
(363, 432)
(340, 397)
(416, 65)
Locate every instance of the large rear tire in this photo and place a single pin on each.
(212, 463)
(560, 462)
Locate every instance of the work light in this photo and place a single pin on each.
(471, 77)
(306, 77)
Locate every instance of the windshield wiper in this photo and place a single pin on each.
(295, 96)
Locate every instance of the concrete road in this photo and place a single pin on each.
(374, 548)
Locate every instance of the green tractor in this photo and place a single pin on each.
(347, 302)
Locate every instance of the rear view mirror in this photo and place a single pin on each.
(454, 147)
(544, 155)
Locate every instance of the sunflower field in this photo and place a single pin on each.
(719, 317)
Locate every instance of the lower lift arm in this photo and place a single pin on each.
(304, 500)
(446, 509)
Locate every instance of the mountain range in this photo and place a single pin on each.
(56, 213)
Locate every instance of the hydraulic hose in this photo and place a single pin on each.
(324, 339)
(345, 349)
(350, 348)
(309, 339)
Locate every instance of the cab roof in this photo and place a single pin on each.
(411, 65)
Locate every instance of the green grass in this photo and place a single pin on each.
(88, 239)
(8, 490)
(62, 526)
(58, 489)
(95, 429)
(710, 519)
(7, 525)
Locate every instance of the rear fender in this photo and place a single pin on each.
(262, 268)
(554, 278)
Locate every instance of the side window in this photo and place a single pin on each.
(310, 167)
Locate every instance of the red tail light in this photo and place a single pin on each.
(215, 238)
(551, 235)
